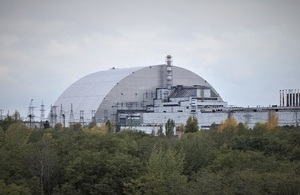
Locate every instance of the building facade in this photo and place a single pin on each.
(146, 97)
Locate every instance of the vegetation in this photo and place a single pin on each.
(191, 125)
(227, 159)
(169, 126)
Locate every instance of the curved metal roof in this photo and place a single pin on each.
(88, 92)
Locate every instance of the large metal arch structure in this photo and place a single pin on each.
(98, 96)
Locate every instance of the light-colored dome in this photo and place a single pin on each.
(103, 93)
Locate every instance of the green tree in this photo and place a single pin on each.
(109, 126)
(205, 182)
(58, 127)
(191, 125)
(160, 131)
(100, 173)
(13, 189)
(2, 137)
(169, 126)
(164, 174)
(9, 120)
(76, 126)
(13, 153)
(42, 162)
(199, 151)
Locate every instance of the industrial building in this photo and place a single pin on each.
(146, 97)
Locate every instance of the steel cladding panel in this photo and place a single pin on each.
(114, 89)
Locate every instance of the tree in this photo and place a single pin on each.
(9, 120)
(14, 189)
(191, 125)
(76, 126)
(169, 126)
(58, 127)
(259, 129)
(272, 121)
(43, 162)
(100, 172)
(2, 137)
(160, 131)
(108, 125)
(46, 125)
(180, 130)
(13, 152)
(199, 151)
(164, 174)
(229, 124)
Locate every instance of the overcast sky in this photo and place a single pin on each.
(246, 49)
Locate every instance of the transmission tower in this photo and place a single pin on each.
(30, 113)
(71, 120)
(248, 117)
(53, 115)
(62, 116)
(42, 110)
(81, 118)
(295, 120)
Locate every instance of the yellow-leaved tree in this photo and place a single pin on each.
(229, 124)
(272, 121)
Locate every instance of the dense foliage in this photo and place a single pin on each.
(229, 159)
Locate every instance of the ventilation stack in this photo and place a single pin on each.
(169, 72)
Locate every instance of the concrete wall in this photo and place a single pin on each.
(205, 120)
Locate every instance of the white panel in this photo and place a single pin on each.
(88, 92)
(207, 93)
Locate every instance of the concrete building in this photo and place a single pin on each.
(146, 97)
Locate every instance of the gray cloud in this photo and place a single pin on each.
(248, 50)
